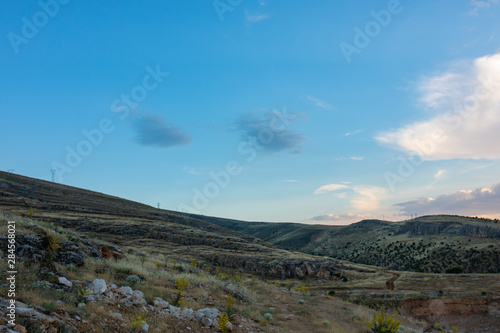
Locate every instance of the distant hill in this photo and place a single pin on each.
(437, 244)
(151, 230)
(434, 244)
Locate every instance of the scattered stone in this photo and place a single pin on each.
(233, 290)
(160, 303)
(125, 290)
(99, 286)
(62, 280)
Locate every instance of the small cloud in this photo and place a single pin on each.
(255, 17)
(439, 174)
(330, 188)
(319, 103)
(289, 180)
(268, 131)
(154, 131)
(192, 171)
(354, 132)
(480, 4)
(357, 158)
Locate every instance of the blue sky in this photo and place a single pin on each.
(324, 112)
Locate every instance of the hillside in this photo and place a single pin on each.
(424, 244)
(135, 261)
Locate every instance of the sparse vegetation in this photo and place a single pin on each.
(196, 276)
(382, 323)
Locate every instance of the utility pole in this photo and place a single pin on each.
(53, 175)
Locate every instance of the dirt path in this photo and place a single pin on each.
(390, 283)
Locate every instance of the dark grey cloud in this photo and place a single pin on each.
(269, 131)
(154, 131)
(481, 201)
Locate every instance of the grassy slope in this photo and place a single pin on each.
(425, 244)
(162, 235)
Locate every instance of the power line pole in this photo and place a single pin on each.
(53, 175)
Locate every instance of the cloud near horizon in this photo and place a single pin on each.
(340, 217)
(366, 200)
(330, 187)
(269, 132)
(481, 201)
(154, 131)
(466, 121)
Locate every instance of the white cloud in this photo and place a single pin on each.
(192, 171)
(357, 158)
(466, 120)
(289, 180)
(329, 188)
(319, 102)
(481, 201)
(439, 174)
(354, 132)
(340, 217)
(480, 4)
(369, 198)
(366, 198)
(253, 18)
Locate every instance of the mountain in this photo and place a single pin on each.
(127, 223)
(91, 262)
(437, 243)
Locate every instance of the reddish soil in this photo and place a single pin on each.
(471, 315)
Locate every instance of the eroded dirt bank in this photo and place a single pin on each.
(469, 315)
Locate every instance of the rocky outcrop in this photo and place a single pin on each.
(129, 298)
(419, 228)
(424, 228)
(478, 231)
(326, 269)
(35, 319)
(30, 248)
(109, 252)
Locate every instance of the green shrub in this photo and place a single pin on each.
(41, 284)
(132, 280)
(48, 305)
(454, 270)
